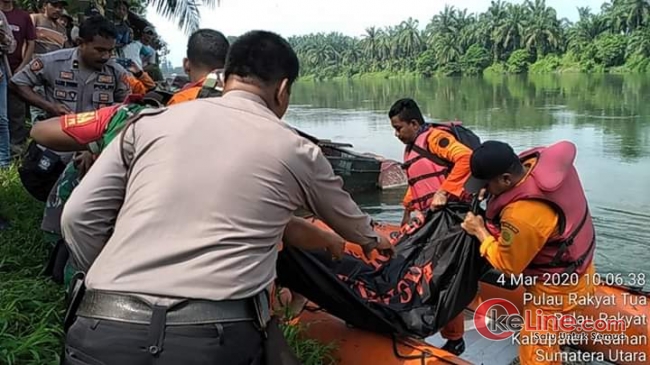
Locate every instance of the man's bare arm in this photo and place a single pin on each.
(48, 133)
(29, 52)
(28, 94)
(303, 234)
(325, 197)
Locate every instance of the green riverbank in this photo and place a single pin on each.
(548, 65)
(508, 38)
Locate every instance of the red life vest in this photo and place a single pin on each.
(424, 175)
(554, 180)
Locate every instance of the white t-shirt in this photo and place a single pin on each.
(132, 52)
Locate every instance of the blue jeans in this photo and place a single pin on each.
(5, 152)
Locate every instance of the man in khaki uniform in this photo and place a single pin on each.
(178, 225)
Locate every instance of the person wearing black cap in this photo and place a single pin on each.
(538, 230)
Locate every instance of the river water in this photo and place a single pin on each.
(606, 116)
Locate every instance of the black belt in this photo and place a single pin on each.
(126, 308)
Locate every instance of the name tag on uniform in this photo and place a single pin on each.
(60, 94)
(103, 97)
(105, 79)
(63, 83)
(66, 75)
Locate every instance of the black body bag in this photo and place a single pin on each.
(433, 276)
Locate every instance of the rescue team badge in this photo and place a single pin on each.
(105, 79)
(36, 65)
(71, 120)
(507, 232)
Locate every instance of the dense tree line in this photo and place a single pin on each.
(507, 38)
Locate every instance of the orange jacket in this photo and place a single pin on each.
(140, 86)
(445, 146)
(187, 93)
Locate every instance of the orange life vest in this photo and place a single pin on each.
(554, 180)
(425, 172)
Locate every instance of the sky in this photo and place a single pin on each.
(350, 17)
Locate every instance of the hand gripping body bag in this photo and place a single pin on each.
(433, 276)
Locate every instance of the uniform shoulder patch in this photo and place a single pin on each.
(508, 231)
(72, 120)
(36, 65)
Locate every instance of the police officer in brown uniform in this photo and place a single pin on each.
(77, 79)
(74, 80)
(179, 250)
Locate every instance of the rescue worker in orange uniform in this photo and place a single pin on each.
(538, 226)
(139, 81)
(206, 53)
(431, 183)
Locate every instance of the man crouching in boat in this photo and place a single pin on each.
(437, 166)
(539, 227)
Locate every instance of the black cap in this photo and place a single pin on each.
(489, 160)
(64, 2)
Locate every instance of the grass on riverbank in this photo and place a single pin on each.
(32, 306)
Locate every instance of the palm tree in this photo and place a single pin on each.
(637, 13)
(509, 33)
(542, 33)
(184, 12)
(585, 30)
(370, 43)
(408, 38)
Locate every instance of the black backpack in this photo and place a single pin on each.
(461, 133)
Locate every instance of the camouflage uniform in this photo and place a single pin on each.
(70, 178)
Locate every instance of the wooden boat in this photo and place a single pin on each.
(359, 173)
(355, 346)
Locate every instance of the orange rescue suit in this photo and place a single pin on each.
(187, 93)
(141, 85)
(526, 226)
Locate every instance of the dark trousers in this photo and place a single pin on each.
(102, 342)
(17, 114)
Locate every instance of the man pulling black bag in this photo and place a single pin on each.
(432, 277)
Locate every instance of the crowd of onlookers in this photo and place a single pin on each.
(24, 35)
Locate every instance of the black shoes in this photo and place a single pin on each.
(455, 347)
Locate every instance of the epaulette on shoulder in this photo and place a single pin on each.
(59, 55)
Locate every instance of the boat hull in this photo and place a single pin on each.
(359, 173)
